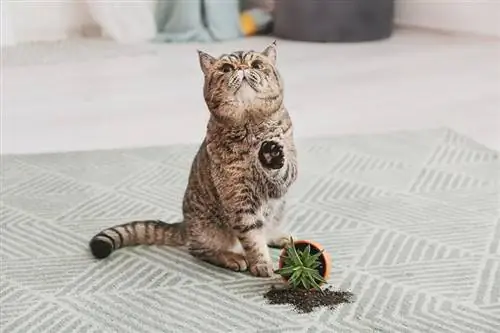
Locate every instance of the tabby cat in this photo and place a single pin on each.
(234, 201)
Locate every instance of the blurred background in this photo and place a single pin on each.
(100, 74)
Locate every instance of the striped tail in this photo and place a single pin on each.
(136, 233)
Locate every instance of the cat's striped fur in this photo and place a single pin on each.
(234, 200)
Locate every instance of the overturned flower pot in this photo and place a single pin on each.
(305, 267)
(304, 264)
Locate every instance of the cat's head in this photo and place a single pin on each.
(242, 84)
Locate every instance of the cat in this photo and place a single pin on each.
(235, 197)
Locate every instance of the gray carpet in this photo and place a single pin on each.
(411, 220)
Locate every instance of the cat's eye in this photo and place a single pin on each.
(257, 64)
(226, 68)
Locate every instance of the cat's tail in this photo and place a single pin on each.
(147, 232)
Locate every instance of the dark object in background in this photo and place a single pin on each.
(333, 20)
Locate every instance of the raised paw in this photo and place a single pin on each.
(271, 155)
(262, 269)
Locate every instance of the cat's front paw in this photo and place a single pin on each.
(271, 155)
(262, 269)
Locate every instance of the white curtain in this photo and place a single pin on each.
(130, 21)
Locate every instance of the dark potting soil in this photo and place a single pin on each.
(305, 301)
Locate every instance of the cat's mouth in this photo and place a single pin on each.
(246, 92)
(245, 84)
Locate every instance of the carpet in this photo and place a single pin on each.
(411, 220)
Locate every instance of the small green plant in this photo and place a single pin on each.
(300, 268)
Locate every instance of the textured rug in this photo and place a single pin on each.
(411, 220)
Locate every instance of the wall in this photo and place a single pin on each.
(466, 16)
(41, 20)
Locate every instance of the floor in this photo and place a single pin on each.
(410, 220)
(88, 94)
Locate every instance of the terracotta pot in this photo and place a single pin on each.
(325, 265)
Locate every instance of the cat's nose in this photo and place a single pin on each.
(241, 74)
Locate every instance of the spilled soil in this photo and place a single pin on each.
(305, 301)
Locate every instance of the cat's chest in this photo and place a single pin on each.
(269, 208)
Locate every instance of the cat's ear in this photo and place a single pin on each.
(206, 61)
(270, 52)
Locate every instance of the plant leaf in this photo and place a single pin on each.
(306, 253)
(310, 261)
(295, 255)
(294, 279)
(315, 264)
(285, 271)
(316, 256)
(315, 284)
(306, 280)
(318, 278)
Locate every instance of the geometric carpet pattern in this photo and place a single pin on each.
(411, 220)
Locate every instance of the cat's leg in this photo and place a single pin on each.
(276, 237)
(216, 246)
(252, 236)
(281, 171)
(243, 211)
(226, 259)
(223, 249)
